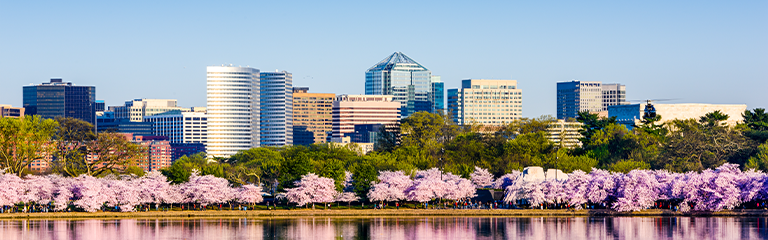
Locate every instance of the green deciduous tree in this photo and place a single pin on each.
(23, 141)
(760, 160)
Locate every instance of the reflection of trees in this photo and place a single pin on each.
(695, 228)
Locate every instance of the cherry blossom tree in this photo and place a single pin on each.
(714, 190)
(508, 179)
(458, 188)
(602, 186)
(312, 189)
(250, 194)
(752, 185)
(12, 189)
(155, 188)
(38, 189)
(90, 193)
(428, 185)
(207, 190)
(127, 195)
(62, 191)
(481, 178)
(636, 191)
(576, 188)
(391, 186)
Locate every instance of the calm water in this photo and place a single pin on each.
(392, 228)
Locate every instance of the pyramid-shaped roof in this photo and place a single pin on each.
(389, 62)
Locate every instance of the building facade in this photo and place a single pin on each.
(565, 134)
(181, 127)
(632, 114)
(312, 119)
(276, 108)
(9, 111)
(233, 110)
(438, 95)
(614, 94)
(595, 97)
(135, 110)
(486, 102)
(159, 153)
(406, 80)
(351, 110)
(60, 99)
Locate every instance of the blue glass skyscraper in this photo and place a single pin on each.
(409, 82)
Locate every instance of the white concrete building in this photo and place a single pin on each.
(564, 132)
(233, 110)
(632, 114)
(486, 102)
(181, 127)
(137, 109)
(276, 108)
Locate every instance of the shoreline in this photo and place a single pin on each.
(368, 213)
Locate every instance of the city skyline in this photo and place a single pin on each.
(653, 48)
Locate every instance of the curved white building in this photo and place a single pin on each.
(233, 110)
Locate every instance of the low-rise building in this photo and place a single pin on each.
(565, 134)
(630, 115)
(9, 111)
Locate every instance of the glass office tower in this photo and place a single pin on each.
(409, 82)
(61, 99)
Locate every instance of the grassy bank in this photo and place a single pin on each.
(374, 213)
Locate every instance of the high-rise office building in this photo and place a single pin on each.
(487, 102)
(60, 99)
(276, 108)
(351, 110)
(438, 95)
(233, 110)
(595, 97)
(181, 127)
(135, 110)
(614, 94)
(312, 119)
(409, 82)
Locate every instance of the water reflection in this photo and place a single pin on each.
(697, 228)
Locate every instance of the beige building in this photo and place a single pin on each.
(137, 109)
(359, 148)
(487, 102)
(312, 116)
(9, 111)
(351, 110)
(633, 114)
(564, 132)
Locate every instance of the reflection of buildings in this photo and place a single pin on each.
(408, 82)
(312, 119)
(565, 132)
(9, 111)
(487, 102)
(351, 110)
(579, 96)
(60, 99)
(276, 108)
(632, 114)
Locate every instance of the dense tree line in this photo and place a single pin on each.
(425, 141)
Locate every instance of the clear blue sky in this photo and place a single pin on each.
(695, 51)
